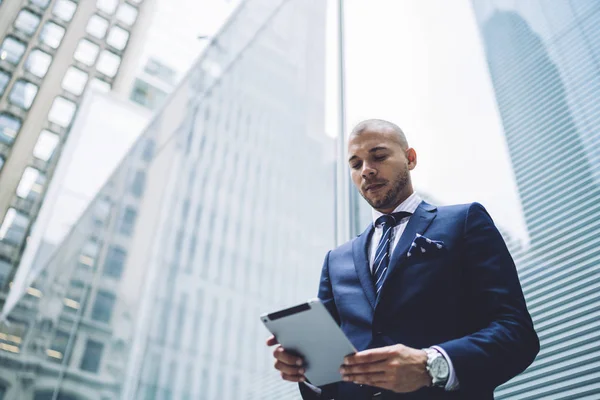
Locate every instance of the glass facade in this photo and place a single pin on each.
(212, 218)
(542, 58)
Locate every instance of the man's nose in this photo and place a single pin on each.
(368, 171)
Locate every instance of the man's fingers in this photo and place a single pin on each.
(293, 378)
(366, 377)
(287, 358)
(289, 369)
(367, 356)
(271, 341)
(375, 367)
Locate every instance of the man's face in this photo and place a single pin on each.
(380, 168)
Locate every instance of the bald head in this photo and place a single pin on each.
(388, 128)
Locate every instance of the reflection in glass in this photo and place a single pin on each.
(5, 266)
(97, 26)
(45, 145)
(52, 34)
(38, 62)
(27, 22)
(64, 9)
(117, 37)
(9, 127)
(12, 50)
(14, 227)
(62, 111)
(108, 6)
(108, 63)
(127, 14)
(4, 79)
(86, 52)
(1, 165)
(23, 93)
(75, 80)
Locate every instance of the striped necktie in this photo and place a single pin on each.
(382, 254)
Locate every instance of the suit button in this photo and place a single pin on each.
(380, 333)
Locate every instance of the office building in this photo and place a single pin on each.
(222, 210)
(543, 64)
(51, 51)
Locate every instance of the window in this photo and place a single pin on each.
(117, 37)
(40, 3)
(128, 221)
(97, 26)
(9, 127)
(31, 183)
(147, 95)
(75, 80)
(62, 112)
(1, 165)
(100, 85)
(148, 149)
(108, 64)
(27, 22)
(161, 71)
(5, 268)
(138, 183)
(115, 260)
(91, 357)
(86, 52)
(103, 307)
(38, 63)
(64, 9)
(58, 348)
(23, 93)
(4, 79)
(14, 227)
(12, 50)
(52, 34)
(108, 6)
(127, 14)
(45, 145)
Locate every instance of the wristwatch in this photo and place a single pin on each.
(437, 367)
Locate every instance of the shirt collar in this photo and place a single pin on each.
(409, 205)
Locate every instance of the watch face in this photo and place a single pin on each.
(439, 368)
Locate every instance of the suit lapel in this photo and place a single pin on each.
(361, 263)
(418, 223)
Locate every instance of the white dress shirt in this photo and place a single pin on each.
(409, 205)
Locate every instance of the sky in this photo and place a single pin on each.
(421, 65)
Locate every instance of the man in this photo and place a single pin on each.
(428, 295)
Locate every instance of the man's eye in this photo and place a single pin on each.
(356, 165)
(379, 158)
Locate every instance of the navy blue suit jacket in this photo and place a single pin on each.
(465, 298)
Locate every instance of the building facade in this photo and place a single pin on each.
(543, 60)
(221, 211)
(51, 51)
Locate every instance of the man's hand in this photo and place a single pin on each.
(398, 368)
(290, 366)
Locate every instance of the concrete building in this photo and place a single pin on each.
(156, 291)
(543, 65)
(51, 51)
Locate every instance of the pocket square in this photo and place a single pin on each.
(421, 244)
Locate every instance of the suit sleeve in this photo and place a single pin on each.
(326, 297)
(504, 341)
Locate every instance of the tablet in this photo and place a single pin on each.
(311, 332)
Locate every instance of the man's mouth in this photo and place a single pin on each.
(374, 187)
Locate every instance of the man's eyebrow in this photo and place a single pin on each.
(373, 150)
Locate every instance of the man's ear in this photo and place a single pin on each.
(411, 155)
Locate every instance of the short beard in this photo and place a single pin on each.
(391, 197)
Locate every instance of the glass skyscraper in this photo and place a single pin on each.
(544, 63)
(222, 210)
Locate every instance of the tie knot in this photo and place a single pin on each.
(389, 220)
